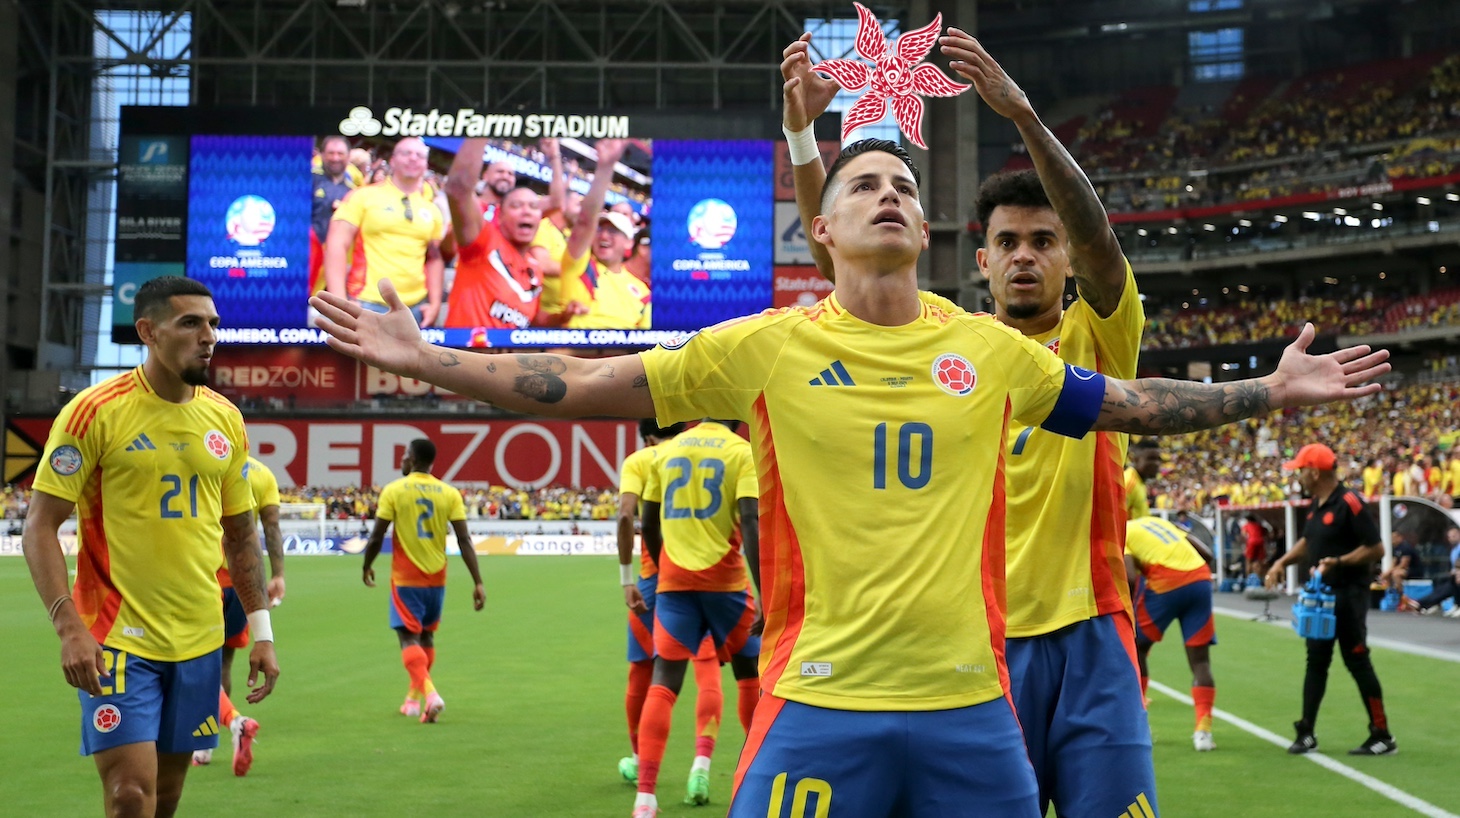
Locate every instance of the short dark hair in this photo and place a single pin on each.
(334, 137)
(1017, 188)
(863, 146)
(648, 426)
(154, 295)
(423, 452)
(522, 184)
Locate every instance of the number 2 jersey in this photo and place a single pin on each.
(423, 509)
(699, 479)
(880, 458)
(151, 481)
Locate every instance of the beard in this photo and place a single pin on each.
(502, 188)
(195, 376)
(1022, 311)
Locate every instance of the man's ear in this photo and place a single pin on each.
(820, 231)
(146, 330)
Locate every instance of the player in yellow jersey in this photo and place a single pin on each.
(1176, 583)
(879, 426)
(700, 512)
(639, 595)
(1373, 478)
(423, 510)
(1145, 464)
(264, 488)
(152, 462)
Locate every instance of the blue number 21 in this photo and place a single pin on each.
(909, 435)
(176, 484)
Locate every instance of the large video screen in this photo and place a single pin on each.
(686, 236)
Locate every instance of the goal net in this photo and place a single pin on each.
(299, 522)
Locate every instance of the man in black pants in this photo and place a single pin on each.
(1344, 541)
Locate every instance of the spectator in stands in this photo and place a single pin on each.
(1405, 563)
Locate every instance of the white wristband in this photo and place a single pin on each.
(802, 144)
(260, 627)
(625, 574)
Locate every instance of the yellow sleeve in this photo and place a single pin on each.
(458, 505)
(352, 207)
(1037, 381)
(237, 495)
(264, 484)
(384, 507)
(71, 458)
(653, 484)
(1118, 337)
(716, 372)
(746, 485)
(632, 476)
(570, 278)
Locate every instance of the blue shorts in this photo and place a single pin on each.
(1192, 604)
(641, 625)
(235, 621)
(416, 609)
(683, 618)
(1078, 692)
(801, 760)
(174, 704)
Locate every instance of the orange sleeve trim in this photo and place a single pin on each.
(86, 412)
(1354, 503)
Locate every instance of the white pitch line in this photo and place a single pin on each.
(1387, 790)
(1379, 641)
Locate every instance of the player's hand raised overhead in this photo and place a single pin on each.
(389, 341)
(973, 63)
(1308, 380)
(807, 94)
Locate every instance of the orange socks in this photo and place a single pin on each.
(1203, 697)
(640, 675)
(709, 704)
(430, 658)
(749, 698)
(226, 711)
(654, 734)
(414, 658)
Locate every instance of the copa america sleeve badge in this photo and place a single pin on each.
(897, 76)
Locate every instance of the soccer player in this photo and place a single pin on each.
(639, 596)
(700, 512)
(423, 509)
(152, 463)
(1344, 542)
(1069, 604)
(1145, 464)
(593, 274)
(1176, 583)
(264, 488)
(884, 683)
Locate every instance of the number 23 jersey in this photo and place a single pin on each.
(151, 480)
(880, 456)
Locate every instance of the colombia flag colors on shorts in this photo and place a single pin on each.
(858, 429)
(151, 481)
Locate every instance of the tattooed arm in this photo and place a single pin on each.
(550, 385)
(245, 561)
(1163, 406)
(807, 96)
(1095, 253)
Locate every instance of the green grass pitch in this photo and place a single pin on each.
(534, 717)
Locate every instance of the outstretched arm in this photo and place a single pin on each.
(1163, 406)
(585, 226)
(806, 96)
(1094, 250)
(461, 190)
(552, 385)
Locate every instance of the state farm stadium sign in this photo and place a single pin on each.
(396, 121)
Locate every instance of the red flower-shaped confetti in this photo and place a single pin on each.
(897, 75)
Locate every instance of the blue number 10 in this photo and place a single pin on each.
(909, 435)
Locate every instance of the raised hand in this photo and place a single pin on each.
(610, 151)
(550, 148)
(389, 341)
(1308, 380)
(807, 94)
(973, 63)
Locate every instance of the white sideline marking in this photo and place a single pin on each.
(1387, 790)
(1389, 644)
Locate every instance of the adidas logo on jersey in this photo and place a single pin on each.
(207, 728)
(834, 375)
(141, 444)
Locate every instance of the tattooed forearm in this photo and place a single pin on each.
(607, 371)
(641, 381)
(245, 562)
(449, 359)
(542, 380)
(1163, 407)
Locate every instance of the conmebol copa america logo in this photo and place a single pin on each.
(249, 220)
(712, 223)
(360, 122)
(954, 374)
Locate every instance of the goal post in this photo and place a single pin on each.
(301, 521)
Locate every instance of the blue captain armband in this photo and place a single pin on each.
(1078, 405)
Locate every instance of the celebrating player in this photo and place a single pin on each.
(888, 649)
(152, 462)
(1177, 584)
(597, 289)
(700, 511)
(423, 510)
(639, 596)
(264, 488)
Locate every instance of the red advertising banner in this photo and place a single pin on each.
(309, 374)
(799, 286)
(510, 452)
(785, 182)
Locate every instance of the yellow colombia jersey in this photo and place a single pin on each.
(698, 480)
(151, 481)
(395, 245)
(423, 509)
(553, 243)
(633, 478)
(614, 300)
(1164, 556)
(1066, 503)
(264, 489)
(879, 457)
(1137, 501)
(1373, 480)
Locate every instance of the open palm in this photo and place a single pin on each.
(389, 341)
(1345, 374)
